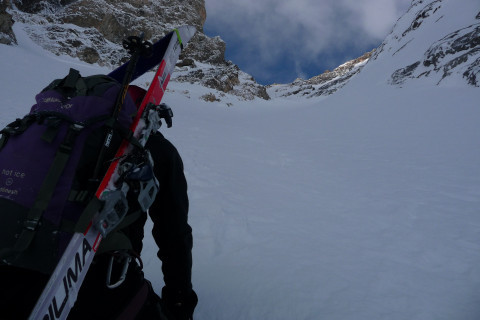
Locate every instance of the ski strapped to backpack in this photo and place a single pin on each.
(106, 210)
(137, 47)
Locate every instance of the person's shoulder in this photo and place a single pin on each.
(160, 146)
(156, 138)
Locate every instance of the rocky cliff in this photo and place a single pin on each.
(323, 84)
(92, 30)
(6, 22)
(452, 52)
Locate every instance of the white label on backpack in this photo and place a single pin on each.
(109, 139)
(51, 100)
(8, 188)
(12, 192)
(12, 173)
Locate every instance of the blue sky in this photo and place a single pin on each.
(277, 41)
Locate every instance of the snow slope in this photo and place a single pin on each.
(362, 205)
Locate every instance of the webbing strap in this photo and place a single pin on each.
(87, 215)
(136, 304)
(46, 190)
(79, 195)
(76, 85)
(93, 207)
(129, 219)
(117, 240)
(69, 82)
(3, 140)
(71, 79)
(127, 135)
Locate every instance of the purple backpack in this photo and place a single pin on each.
(48, 161)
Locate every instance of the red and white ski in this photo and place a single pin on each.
(61, 291)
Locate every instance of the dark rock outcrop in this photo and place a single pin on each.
(6, 22)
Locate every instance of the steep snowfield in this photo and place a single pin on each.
(362, 205)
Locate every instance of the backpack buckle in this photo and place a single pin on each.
(31, 224)
(72, 133)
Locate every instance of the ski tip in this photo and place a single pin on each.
(185, 33)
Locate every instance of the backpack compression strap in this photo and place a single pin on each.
(46, 191)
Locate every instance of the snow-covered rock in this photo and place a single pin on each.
(6, 22)
(321, 85)
(440, 39)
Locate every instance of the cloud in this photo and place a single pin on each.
(265, 31)
(376, 17)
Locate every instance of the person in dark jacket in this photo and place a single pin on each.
(134, 298)
(172, 234)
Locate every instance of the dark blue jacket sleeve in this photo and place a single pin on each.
(169, 213)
